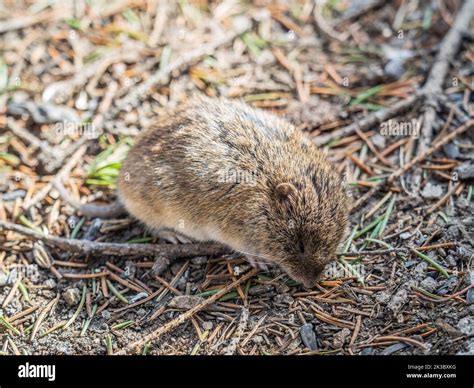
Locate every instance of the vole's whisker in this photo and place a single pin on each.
(263, 257)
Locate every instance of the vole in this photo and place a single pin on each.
(219, 170)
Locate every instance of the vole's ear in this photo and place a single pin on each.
(285, 189)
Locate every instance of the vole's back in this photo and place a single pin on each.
(206, 168)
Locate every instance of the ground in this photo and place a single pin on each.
(77, 84)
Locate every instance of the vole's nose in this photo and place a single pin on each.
(309, 283)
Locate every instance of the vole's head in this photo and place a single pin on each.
(305, 219)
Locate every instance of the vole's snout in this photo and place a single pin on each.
(309, 275)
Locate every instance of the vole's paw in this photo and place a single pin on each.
(256, 262)
(172, 236)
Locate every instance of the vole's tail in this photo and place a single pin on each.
(115, 209)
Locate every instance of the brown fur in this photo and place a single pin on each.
(286, 204)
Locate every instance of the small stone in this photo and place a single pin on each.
(421, 268)
(72, 296)
(469, 351)
(431, 191)
(470, 278)
(185, 302)
(283, 298)
(465, 171)
(379, 140)
(12, 195)
(451, 150)
(405, 235)
(393, 348)
(340, 337)
(367, 351)
(308, 336)
(138, 297)
(207, 325)
(394, 69)
(105, 314)
(141, 312)
(257, 339)
(447, 328)
(448, 286)
(429, 284)
(50, 284)
(382, 296)
(8, 279)
(81, 101)
(398, 300)
(466, 326)
(470, 296)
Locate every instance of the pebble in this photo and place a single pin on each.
(379, 140)
(7, 279)
(367, 351)
(185, 302)
(308, 336)
(398, 300)
(465, 171)
(138, 296)
(283, 298)
(81, 101)
(429, 284)
(257, 339)
(451, 150)
(340, 337)
(382, 296)
(470, 278)
(50, 284)
(470, 296)
(431, 191)
(405, 235)
(12, 195)
(466, 326)
(393, 348)
(448, 285)
(394, 69)
(72, 296)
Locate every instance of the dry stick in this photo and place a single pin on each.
(370, 120)
(19, 23)
(464, 127)
(372, 253)
(443, 199)
(64, 172)
(134, 98)
(161, 15)
(49, 307)
(117, 249)
(409, 341)
(433, 86)
(187, 315)
(420, 157)
(24, 134)
(324, 26)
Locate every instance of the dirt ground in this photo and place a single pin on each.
(78, 83)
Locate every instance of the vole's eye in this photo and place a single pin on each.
(301, 247)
